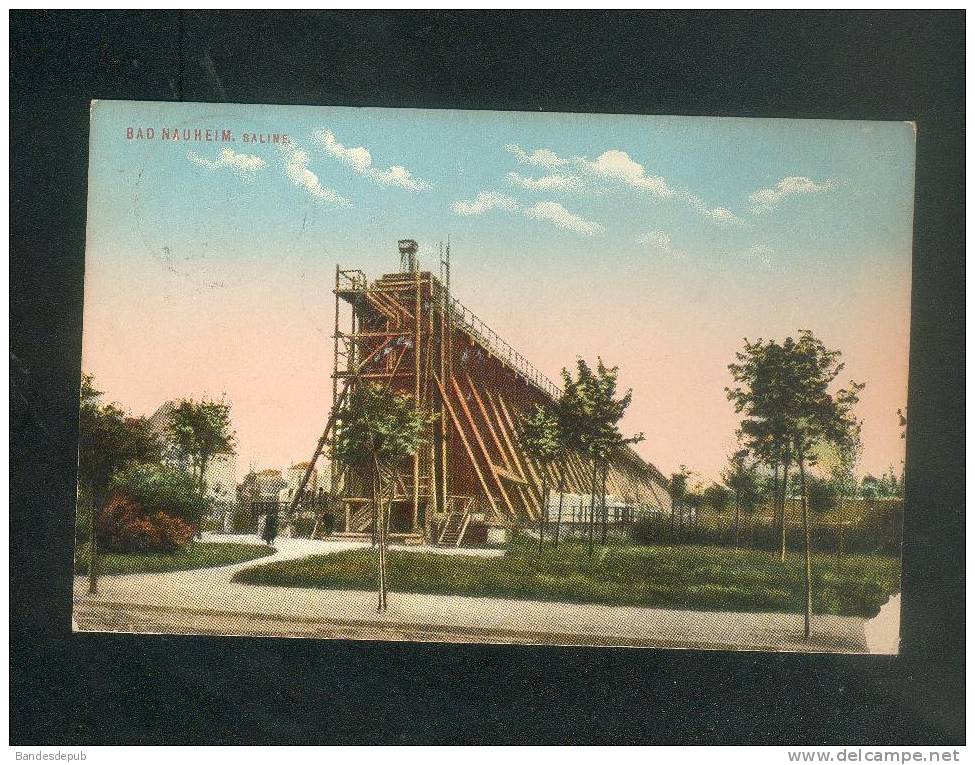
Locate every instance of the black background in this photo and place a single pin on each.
(143, 689)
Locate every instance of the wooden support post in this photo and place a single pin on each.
(417, 402)
(332, 468)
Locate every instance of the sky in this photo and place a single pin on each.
(657, 243)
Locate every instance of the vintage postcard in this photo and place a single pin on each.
(521, 378)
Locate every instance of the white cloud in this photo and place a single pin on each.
(296, 168)
(360, 159)
(537, 158)
(554, 182)
(244, 165)
(766, 200)
(721, 215)
(486, 200)
(550, 212)
(660, 241)
(555, 213)
(618, 166)
(612, 167)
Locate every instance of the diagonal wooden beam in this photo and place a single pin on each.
(511, 424)
(511, 469)
(487, 420)
(484, 450)
(579, 471)
(467, 447)
(319, 448)
(381, 307)
(528, 493)
(534, 469)
(505, 473)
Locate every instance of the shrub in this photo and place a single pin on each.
(823, 496)
(302, 527)
(717, 497)
(125, 526)
(163, 489)
(649, 530)
(244, 521)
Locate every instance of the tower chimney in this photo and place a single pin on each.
(407, 256)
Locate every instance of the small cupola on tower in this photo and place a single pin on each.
(408, 262)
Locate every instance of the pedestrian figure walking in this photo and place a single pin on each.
(270, 527)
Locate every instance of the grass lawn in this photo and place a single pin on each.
(690, 577)
(194, 555)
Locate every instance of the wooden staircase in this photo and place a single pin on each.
(455, 527)
(361, 521)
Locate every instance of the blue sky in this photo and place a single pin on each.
(657, 242)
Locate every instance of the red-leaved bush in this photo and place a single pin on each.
(123, 526)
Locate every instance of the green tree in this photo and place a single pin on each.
(784, 392)
(678, 493)
(200, 431)
(376, 430)
(541, 438)
(762, 373)
(741, 478)
(717, 497)
(889, 486)
(823, 495)
(840, 461)
(869, 487)
(108, 440)
(695, 501)
(589, 413)
(815, 415)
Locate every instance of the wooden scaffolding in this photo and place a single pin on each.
(405, 330)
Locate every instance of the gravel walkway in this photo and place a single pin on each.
(206, 601)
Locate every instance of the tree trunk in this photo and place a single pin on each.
(384, 550)
(376, 543)
(203, 471)
(93, 548)
(544, 510)
(382, 554)
(558, 519)
(806, 544)
(775, 508)
(605, 510)
(737, 517)
(592, 507)
(673, 518)
(782, 519)
(379, 531)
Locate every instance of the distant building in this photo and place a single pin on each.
(221, 471)
(262, 486)
(295, 473)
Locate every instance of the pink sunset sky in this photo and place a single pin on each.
(215, 279)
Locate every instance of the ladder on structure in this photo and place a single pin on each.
(362, 520)
(455, 527)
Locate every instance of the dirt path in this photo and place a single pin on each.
(206, 601)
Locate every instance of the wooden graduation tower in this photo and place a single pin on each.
(406, 331)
